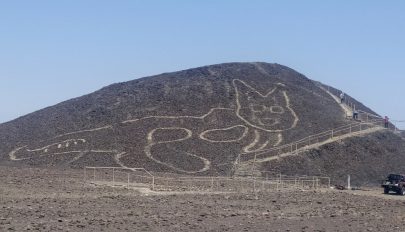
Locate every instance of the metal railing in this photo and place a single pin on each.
(308, 141)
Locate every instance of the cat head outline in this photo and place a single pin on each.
(269, 112)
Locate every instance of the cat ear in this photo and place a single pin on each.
(279, 95)
(280, 85)
(278, 88)
(248, 91)
(245, 90)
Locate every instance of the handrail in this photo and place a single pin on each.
(294, 146)
(322, 134)
(319, 135)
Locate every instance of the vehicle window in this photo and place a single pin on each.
(394, 177)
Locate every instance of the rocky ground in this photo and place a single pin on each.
(52, 200)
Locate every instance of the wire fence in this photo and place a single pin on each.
(140, 178)
(119, 176)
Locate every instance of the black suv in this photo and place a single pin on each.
(395, 183)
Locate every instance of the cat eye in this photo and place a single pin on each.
(257, 108)
(277, 109)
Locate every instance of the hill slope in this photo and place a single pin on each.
(195, 121)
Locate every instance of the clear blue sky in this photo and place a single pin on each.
(51, 51)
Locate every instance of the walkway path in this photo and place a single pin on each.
(347, 109)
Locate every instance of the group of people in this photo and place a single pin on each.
(356, 112)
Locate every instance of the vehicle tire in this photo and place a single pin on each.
(401, 191)
(386, 190)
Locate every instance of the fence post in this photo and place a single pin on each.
(313, 182)
(127, 180)
(212, 184)
(332, 134)
(254, 185)
(153, 183)
(253, 164)
(113, 176)
(94, 175)
(263, 185)
(85, 176)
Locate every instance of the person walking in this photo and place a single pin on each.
(386, 121)
(355, 114)
(342, 97)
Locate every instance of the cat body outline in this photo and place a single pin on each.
(256, 124)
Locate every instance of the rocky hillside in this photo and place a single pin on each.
(195, 121)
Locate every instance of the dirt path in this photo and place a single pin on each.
(376, 192)
(347, 110)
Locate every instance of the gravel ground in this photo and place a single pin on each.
(55, 200)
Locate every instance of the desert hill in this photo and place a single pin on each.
(196, 121)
